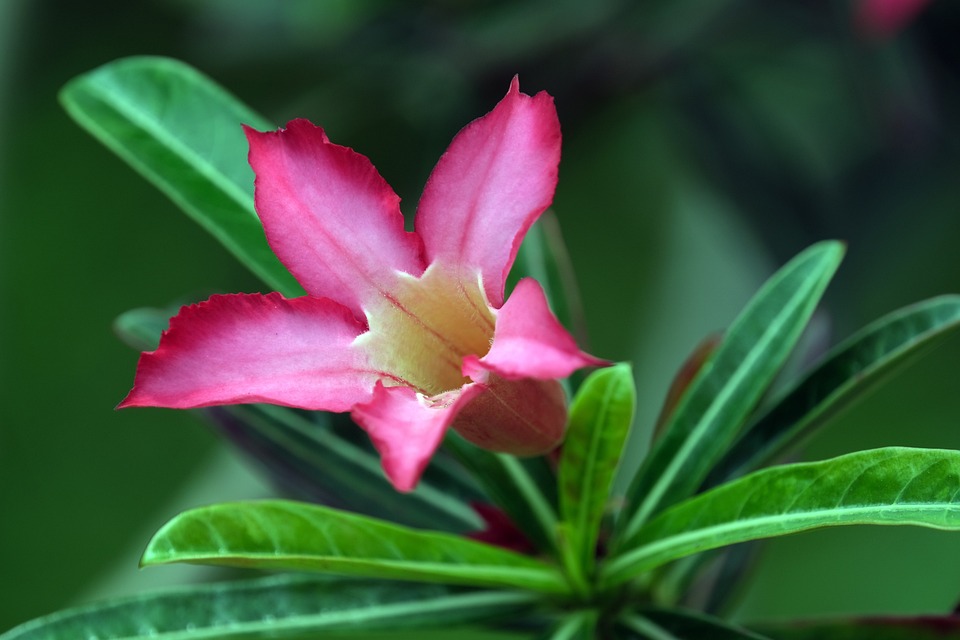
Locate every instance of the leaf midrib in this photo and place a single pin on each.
(115, 96)
(546, 579)
(715, 534)
(720, 401)
(585, 508)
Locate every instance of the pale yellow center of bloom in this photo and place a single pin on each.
(422, 329)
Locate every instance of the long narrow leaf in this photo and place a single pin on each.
(600, 418)
(720, 398)
(581, 625)
(892, 486)
(300, 537)
(852, 369)
(182, 132)
(273, 607)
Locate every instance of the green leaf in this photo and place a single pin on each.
(851, 370)
(846, 374)
(892, 486)
(725, 391)
(600, 419)
(182, 132)
(668, 624)
(273, 607)
(525, 489)
(874, 628)
(282, 535)
(580, 625)
(141, 328)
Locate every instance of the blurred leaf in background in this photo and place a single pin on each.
(705, 142)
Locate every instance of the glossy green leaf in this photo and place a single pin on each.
(282, 535)
(141, 328)
(849, 371)
(892, 486)
(600, 417)
(525, 489)
(722, 395)
(873, 628)
(852, 369)
(273, 607)
(580, 625)
(182, 132)
(668, 624)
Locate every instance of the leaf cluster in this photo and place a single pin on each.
(602, 565)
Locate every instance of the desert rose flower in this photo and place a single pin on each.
(409, 332)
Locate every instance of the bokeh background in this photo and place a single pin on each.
(706, 142)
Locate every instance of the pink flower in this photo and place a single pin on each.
(884, 18)
(407, 331)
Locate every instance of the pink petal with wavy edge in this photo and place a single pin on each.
(406, 428)
(251, 348)
(329, 216)
(496, 178)
(529, 341)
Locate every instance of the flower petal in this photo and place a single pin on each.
(252, 348)
(523, 417)
(329, 216)
(529, 341)
(407, 427)
(496, 178)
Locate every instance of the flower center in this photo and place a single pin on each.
(420, 332)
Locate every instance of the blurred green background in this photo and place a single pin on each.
(706, 141)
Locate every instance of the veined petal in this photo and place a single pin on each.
(525, 417)
(496, 178)
(252, 348)
(420, 333)
(885, 18)
(329, 216)
(529, 341)
(407, 427)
